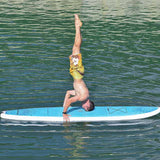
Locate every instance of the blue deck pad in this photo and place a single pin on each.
(80, 112)
(128, 110)
(99, 111)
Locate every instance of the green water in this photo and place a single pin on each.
(121, 47)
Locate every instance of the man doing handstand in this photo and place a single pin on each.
(80, 92)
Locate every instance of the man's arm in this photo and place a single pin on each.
(68, 100)
(67, 96)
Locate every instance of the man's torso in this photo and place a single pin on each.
(81, 89)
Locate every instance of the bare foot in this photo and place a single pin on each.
(78, 22)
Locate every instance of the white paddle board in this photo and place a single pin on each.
(78, 114)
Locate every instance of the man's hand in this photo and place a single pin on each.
(66, 118)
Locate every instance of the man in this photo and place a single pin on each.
(80, 92)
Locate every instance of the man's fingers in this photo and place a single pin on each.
(66, 117)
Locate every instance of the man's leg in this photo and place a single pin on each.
(78, 37)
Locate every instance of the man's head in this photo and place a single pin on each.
(88, 105)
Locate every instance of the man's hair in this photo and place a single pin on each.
(91, 108)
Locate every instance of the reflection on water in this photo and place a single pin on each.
(83, 140)
(76, 140)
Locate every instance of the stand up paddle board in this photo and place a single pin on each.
(78, 114)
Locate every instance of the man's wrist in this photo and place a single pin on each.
(64, 112)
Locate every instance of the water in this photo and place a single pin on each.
(121, 56)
